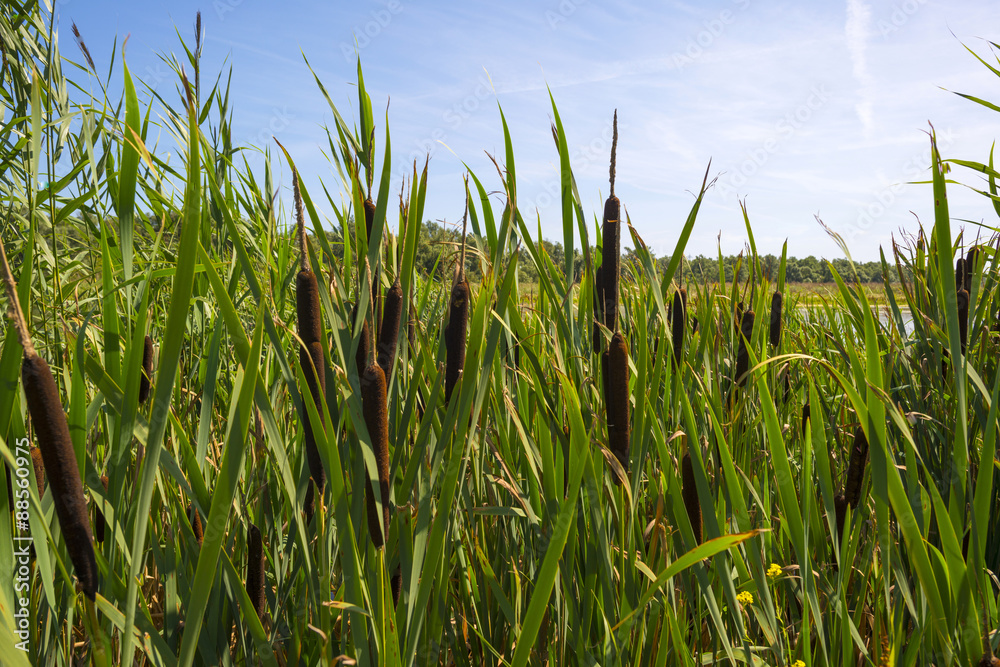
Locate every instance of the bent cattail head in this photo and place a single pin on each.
(145, 381)
(775, 329)
(689, 491)
(61, 467)
(616, 398)
(373, 403)
(52, 435)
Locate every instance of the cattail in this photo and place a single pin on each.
(742, 355)
(611, 243)
(396, 583)
(775, 330)
(805, 418)
(147, 370)
(311, 353)
(38, 465)
(689, 491)
(970, 267)
(388, 335)
(678, 322)
(616, 398)
(99, 515)
(373, 403)
(856, 468)
(458, 320)
(255, 570)
(61, 466)
(960, 273)
(598, 305)
(694, 325)
(194, 518)
(840, 506)
(963, 317)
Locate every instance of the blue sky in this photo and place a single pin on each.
(803, 108)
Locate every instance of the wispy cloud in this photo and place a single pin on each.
(859, 16)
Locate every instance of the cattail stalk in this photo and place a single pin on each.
(616, 399)
(678, 323)
(255, 570)
(611, 243)
(311, 355)
(775, 329)
(689, 491)
(147, 370)
(195, 520)
(52, 433)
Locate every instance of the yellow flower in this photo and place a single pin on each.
(774, 571)
(744, 598)
(798, 663)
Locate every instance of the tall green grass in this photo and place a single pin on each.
(511, 540)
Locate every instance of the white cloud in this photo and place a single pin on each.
(859, 16)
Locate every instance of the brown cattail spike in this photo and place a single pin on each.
(856, 468)
(62, 469)
(970, 268)
(678, 323)
(146, 378)
(743, 355)
(195, 519)
(775, 329)
(458, 320)
(689, 491)
(99, 515)
(960, 273)
(840, 506)
(255, 570)
(39, 467)
(805, 418)
(616, 398)
(373, 403)
(396, 584)
(388, 335)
